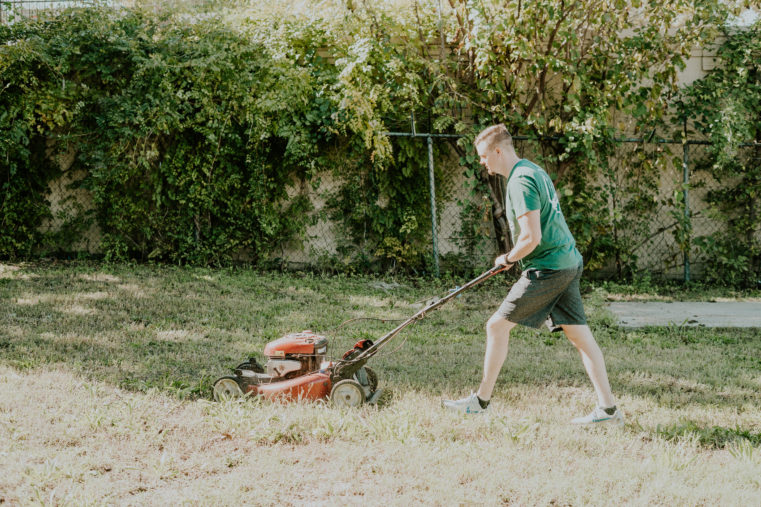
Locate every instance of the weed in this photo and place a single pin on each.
(744, 451)
(717, 437)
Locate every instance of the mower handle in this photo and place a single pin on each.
(373, 349)
(453, 294)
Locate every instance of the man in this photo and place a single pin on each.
(548, 289)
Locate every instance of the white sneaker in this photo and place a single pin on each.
(467, 405)
(599, 415)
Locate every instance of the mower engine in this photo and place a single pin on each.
(295, 354)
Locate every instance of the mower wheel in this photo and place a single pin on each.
(347, 393)
(226, 388)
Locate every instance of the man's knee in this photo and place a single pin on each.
(498, 326)
(579, 335)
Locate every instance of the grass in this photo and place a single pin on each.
(105, 373)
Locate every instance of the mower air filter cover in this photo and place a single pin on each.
(305, 342)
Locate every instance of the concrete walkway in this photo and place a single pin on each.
(725, 314)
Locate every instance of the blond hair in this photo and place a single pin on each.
(496, 134)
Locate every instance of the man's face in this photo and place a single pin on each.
(488, 156)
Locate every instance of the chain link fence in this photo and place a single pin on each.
(656, 219)
(725, 213)
(660, 203)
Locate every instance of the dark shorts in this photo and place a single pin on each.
(547, 296)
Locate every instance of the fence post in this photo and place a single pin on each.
(685, 190)
(432, 186)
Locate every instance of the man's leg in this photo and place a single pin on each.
(497, 340)
(529, 302)
(594, 363)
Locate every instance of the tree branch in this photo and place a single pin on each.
(541, 86)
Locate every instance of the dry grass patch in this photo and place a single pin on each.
(94, 296)
(748, 299)
(70, 441)
(75, 309)
(34, 299)
(99, 277)
(175, 335)
(640, 297)
(133, 290)
(14, 272)
(66, 300)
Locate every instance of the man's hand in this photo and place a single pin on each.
(502, 261)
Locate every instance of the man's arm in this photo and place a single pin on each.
(529, 238)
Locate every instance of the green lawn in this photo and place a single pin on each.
(105, 374)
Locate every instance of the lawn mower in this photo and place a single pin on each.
(297, 369)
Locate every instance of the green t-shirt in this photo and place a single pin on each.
(530, 188)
